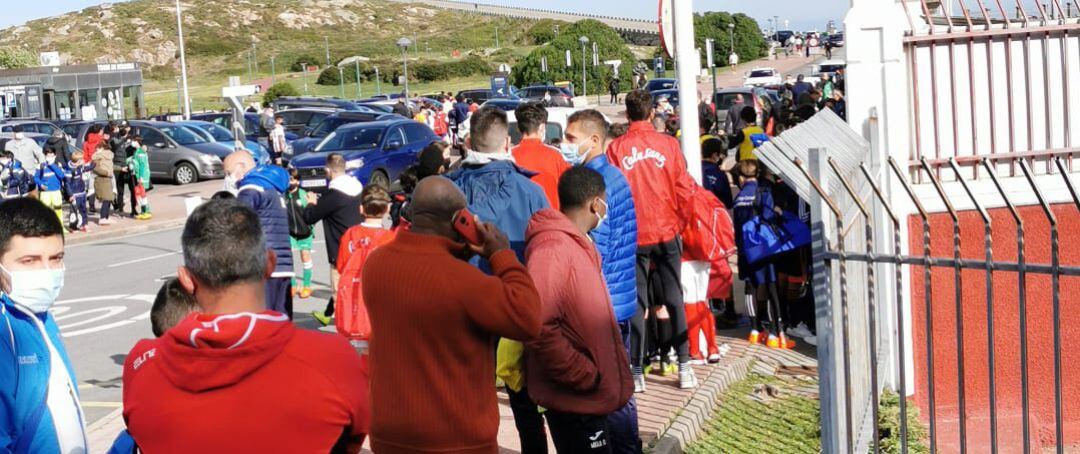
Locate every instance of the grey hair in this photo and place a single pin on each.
(224, 245)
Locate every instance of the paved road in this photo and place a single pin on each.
(105, 306)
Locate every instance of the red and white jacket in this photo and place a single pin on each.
(656, 171)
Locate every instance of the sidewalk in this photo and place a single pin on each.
(167, 205)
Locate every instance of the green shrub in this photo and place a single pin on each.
(17, 58)
(749, 44)
(278, 90)
(544, 31)
(889, 426)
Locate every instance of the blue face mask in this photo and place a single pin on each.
(571, 153)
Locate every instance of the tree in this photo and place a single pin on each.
(278, 90)
(544, 31)
(16, 58)
(749, 44)
(610, 45)
(298, 64)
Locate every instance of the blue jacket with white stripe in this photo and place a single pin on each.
(262, 189)
(25, 423)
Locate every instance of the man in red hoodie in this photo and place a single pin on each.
(236, 377)
(577, 367)
(656, 171)
(534, 155)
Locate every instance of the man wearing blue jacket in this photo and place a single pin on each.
(585, 143)
(39, 400)
(15, 181)
(262, 189)
(501, 193)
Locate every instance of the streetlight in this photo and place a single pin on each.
(404, 44)
(583, 40)
(341, 80)
(303, 69)
(273, 71)
(378, 81)
(183, 63)
(254, 55)
(359, 89)
(326, 41)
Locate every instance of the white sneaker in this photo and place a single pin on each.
(687, 378)
(799, 331)
(812, 340)
(639, 383)
(714, 358)
(697, 362)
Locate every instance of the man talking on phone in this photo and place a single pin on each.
(434, 318)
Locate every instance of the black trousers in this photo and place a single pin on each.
(667, 257)
(124, 179)
(529, 422)
(573, 433)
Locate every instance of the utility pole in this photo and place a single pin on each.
(341, 80)
(273, 71)
(709, 59)
(583, 40)
(326, 41)
(359, 91)
(303, 69)
(183, 63)
(179, 96)
(496, 37)
(251, 74)
(687, 58)
(378, 82)
(254, 56)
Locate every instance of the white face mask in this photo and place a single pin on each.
(35, 290)
(50, 159)
(231, 183)
(19, 136)
(4, 162)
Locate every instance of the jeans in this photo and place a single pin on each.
(529, 422)
(124, 178)
(667, 257)
(573, 433)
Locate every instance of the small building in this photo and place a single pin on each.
(105, 91)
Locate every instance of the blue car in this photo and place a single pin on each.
(251, 124)
(314, 136)
(218, 134)
(375, 152)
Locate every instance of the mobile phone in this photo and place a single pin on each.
(465, 224)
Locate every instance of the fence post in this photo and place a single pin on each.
(830, 361)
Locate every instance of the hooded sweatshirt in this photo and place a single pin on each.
(578, 363)
(245, 382)
(262, 189)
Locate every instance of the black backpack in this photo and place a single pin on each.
(298, 228)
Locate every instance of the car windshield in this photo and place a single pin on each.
(351, 139)
(726, 100)
(761, 73)
(219, 133)
(830, 68)
(327, 126)
(182, 135)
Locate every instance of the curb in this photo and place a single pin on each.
(125, 231)
(689, 423)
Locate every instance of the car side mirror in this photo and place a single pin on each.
(160, 145)
(393, 145)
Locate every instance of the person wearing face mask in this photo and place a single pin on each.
(39, 397)
(26, 151)
(577, 367)
(51, 179)
(262, 189)
(237, 164)
(535, 156)
(15, 181)
(434, 318)
(586, 139)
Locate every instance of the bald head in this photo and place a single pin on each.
(434, 203)
(239, 163)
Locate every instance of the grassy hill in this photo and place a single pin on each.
(219, 33)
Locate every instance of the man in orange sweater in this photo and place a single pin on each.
(534, 155)
(434, 321)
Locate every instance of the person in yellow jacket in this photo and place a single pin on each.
(528, 418)
(750, 137)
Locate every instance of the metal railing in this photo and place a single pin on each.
(963, 52)
(838, 250)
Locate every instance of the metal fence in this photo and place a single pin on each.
(859, 251)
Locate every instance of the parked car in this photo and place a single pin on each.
(375, 152)
(313, 136)
(251, 123)
(180, 154)
(756, 96)
(554, 96)
(40, 138)
(382, 108)
(762, 76)
(555, 126)
(661, 84)
(298, 120)
(218, 134)
(39, 126)
(829, 67)
(836, 39)
(482, 95)
(297, 102)
(503, 104)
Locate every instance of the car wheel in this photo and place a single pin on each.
(185, 173)
(379, 178)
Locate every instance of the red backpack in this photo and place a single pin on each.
(350, 314)
(441, 128)
(708, 235)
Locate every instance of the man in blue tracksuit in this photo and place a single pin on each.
(587, 137)
(262, 189)
(39, 401)
(501, 193)
(15, 181)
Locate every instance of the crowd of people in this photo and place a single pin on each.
(112, 161)
(566, 273)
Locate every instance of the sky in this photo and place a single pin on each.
(801, 14)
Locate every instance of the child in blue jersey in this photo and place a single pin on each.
(51, 180)
(15, 181)
(77, 172)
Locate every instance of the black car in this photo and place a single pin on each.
(313, 135)
(661, 84)
(505, 105)
(297, 102)
(553, 96)
(482, 95)
(299, 120)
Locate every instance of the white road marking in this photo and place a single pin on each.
(144, 259)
